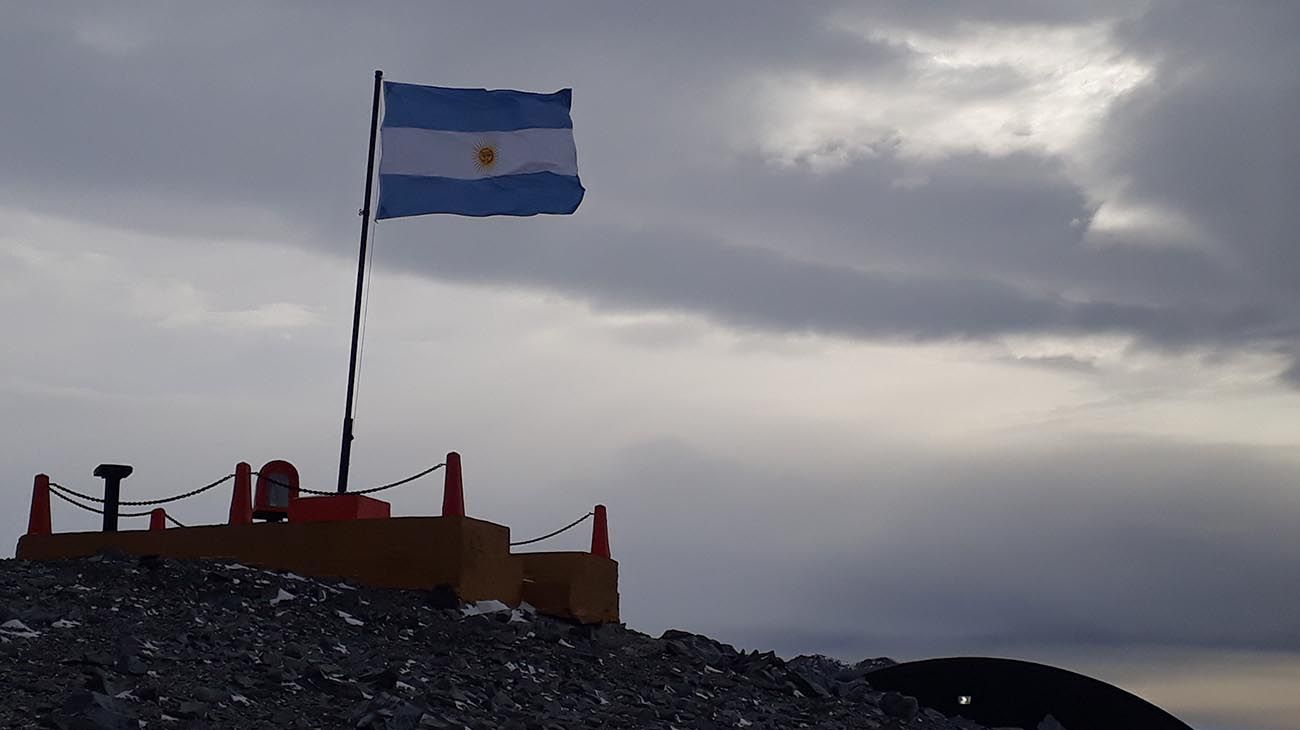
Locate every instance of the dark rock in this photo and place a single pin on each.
(145, 693)
(898, 706)
(190, 708)
(209, 695)
(198, 641)
(385, 678)
(95, 711)
(98, 680)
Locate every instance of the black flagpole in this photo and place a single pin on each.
(345, 453)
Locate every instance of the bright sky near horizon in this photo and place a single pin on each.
(884, 328)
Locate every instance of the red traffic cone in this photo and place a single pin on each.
(241, 499)
(453, 492)
(600, 533)
(157, 519)
(38, 520)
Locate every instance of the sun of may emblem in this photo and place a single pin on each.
(485, 156)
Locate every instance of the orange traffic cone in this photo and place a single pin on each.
(157, 519)
(453, 492)
(241, 500)
(38, 520)
(600, 533)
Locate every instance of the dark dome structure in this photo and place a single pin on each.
(1020, 694)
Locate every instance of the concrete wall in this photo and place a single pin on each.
(471, 556)
(578, 585)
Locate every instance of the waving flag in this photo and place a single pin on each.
(476, 152)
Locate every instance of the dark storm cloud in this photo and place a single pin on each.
(1215, 138)
(760, 289)
(226, 121)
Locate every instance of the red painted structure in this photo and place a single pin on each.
(241, 499)
(354, 536)
(338, 507)
(453, 491)
(38, 520)
(600, 533)
(277, 487)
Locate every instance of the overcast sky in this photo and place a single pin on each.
(908, 329)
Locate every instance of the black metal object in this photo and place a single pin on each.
(1014, 693)
(345, 452)
(112, 474)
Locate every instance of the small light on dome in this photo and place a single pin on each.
(963, 699)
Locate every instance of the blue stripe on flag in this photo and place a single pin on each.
(474, 110)
(529, 194)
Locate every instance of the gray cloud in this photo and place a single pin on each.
(245, 127)
(1096, 544)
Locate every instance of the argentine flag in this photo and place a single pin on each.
(476, 152)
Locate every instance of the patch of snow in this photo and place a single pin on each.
(744, 723)
(64, 623)
(236, 566)
(403, 685)
(240, 699)
(483, 607)
(283, 595)
(15, 628)
(295, 576)
(565, 644)
(349, 620)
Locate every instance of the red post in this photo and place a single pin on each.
(38, 520)
(600, 533)
(241, 500)
(157, 519)
(453, 491)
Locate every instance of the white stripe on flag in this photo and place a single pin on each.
(435, 153)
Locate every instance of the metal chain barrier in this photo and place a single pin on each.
(549, 535)
(57, 490)
(66, 494)
(147, 502)
(371, 490)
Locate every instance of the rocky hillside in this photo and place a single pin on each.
(115, 642)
